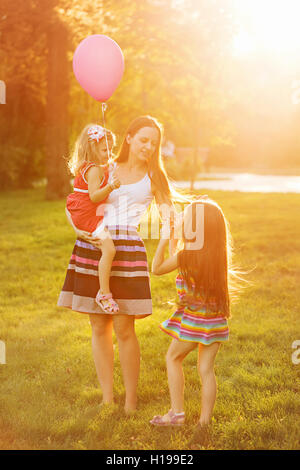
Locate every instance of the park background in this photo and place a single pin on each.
(222, 75)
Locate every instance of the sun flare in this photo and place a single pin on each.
(270, 26)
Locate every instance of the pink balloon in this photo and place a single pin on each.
(98, 65)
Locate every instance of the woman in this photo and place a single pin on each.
(140, 171)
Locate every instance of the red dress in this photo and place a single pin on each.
(86, 215)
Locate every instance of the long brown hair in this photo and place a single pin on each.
(208, 271)
(156, 169)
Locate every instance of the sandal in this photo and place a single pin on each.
(107, 303)
(176, 419)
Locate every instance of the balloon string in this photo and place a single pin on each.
(104, 107)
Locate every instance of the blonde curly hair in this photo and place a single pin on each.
(86, 150)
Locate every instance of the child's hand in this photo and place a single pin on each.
(178, 225)
(113, 181)
(166, 230)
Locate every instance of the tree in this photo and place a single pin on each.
(173, 56)
(22, 69)
(57, 136)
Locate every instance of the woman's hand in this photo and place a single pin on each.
(88, 237)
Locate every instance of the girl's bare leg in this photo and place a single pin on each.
(104, 266)
(206, 360)
(177, 351)
(102, 347)
(129, 353)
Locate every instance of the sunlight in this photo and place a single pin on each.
(271, 26)
(243, 44)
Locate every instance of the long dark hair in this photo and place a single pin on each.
(207, 270)
(156, 170)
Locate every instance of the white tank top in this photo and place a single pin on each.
(127, 204)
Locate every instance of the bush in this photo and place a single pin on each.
(19, 166)
(183, 169)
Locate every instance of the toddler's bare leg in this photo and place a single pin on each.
(104, 266)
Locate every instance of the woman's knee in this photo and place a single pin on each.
(124, 330)
(100, 326)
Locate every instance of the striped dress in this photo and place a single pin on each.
(195, 322)
(129, 277)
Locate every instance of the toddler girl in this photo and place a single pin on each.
(85, 206)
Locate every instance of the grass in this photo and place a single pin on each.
(48, 387)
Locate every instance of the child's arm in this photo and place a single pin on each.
(94, 175)
(160, 265)
(177, 232)
(167, 214)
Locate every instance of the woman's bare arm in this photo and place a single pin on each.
(87, 236)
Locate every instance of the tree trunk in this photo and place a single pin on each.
(58, 185)
(195, 165)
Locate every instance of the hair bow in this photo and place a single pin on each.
(96, 133)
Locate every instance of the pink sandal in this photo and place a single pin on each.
(176, 419)
(110, 305)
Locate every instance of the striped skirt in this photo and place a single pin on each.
(199, 326)
(129, 278)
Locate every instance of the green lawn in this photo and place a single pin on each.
(48, 387)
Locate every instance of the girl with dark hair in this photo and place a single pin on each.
(203, 308)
